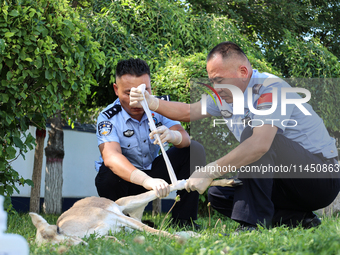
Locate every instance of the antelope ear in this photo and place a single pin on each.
(37, 220)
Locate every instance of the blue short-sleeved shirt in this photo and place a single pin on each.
(308, 130)
(114, 124)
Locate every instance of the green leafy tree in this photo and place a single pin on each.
(151, 30)
(266, 21)
(47, 61)
(296, 59)
(300, 39)
(327, 27)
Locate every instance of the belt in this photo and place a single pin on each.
(333, 160)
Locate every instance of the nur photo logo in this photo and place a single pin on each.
(238, 100)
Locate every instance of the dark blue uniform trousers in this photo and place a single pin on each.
(276, 199)
(183, 162)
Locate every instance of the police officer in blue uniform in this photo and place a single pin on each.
(286, 160)
(129, 162)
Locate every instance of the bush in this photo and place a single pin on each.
(47, 57)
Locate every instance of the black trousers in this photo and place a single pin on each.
(275, 199)
(183, 162)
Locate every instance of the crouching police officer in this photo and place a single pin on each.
(275, 151)
(129, 162)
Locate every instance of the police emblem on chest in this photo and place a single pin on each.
(128, 133)
(105, 128)
(154, 118)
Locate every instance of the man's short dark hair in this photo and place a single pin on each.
(132, 66)
(226, 49)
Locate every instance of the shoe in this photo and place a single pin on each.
(245, 228)
(311, 222)
(188, 224)
(240, 229)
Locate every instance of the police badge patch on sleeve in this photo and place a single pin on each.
(264, 101)
(105, 128)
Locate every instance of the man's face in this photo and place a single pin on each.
(226, 72)
(122, 89)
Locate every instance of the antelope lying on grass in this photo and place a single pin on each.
(100, 216)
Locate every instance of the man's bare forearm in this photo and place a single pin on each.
(181, 111)
(115, 160)
(174, 110)
(120, 166)
(250, 150)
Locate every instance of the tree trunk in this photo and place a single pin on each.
(40, 135)
(54, 167)
(156, 206)
(74, 4)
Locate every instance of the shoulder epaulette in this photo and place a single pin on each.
(256, 88)
(112, 111)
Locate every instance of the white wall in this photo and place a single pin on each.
(79, 172)
(81, 151)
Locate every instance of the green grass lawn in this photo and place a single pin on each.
(281, 240)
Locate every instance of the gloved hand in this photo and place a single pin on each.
(201, 179)
(136, 96)
(160, 186)
(166, 135)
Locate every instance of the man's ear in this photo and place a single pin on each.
(244, 72)
(115, 87)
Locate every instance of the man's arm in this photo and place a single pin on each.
(175, 135)
(249, 151)
(172, 110)
(252, 149)
(114, 159)
(181, 111)
(185, 142)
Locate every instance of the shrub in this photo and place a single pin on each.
(47, 58)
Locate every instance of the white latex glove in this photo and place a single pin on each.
(200, 180)
(166, 135)
(160, 186)
(136, 96)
